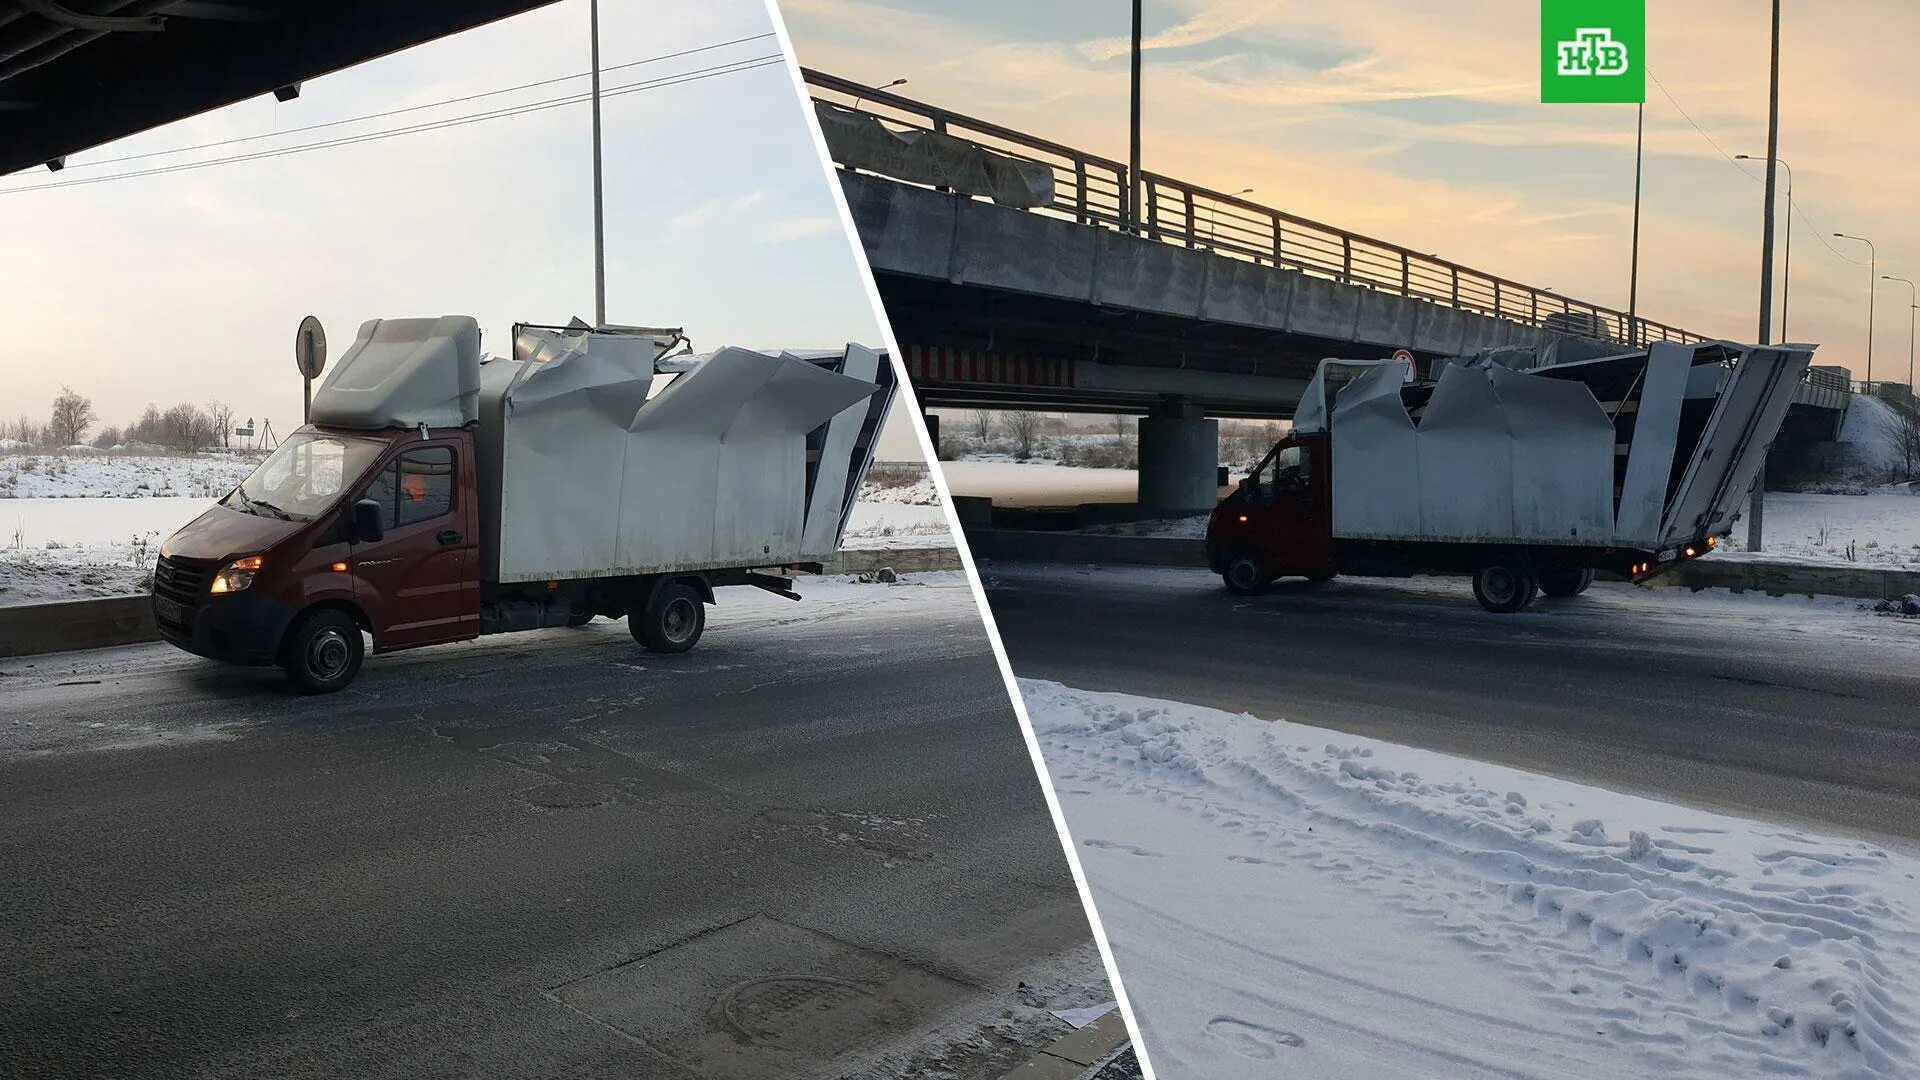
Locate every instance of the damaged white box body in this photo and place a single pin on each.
(1641, 451)
(601, 455)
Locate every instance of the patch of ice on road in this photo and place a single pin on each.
(1369, 909)
(1080, 1018)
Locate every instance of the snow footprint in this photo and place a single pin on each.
(1252, 1040)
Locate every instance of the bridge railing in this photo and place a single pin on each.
(1095, 191)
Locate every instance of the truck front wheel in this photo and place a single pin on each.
(322, 652)
(1566, 582)
(1243, 575)
(671, 622)
(1505, 584)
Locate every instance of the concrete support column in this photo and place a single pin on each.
(1179, 460)
(933, 430)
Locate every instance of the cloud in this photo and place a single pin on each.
(799, 228)
(1210, 24)
(713, 210)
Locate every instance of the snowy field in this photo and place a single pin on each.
(1291, 901)
(1877, 529)
(93, 524)
(1040, 483)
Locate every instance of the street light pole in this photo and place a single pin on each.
(862, 96)
(1913, 295)
(1759, 496)
(599, 218)
(1873, 279)
(1133, 131)
(1786, 269)
(1633, 271)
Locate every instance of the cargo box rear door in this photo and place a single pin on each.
(1734, 442)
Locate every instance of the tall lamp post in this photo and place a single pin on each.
(1912, 295)
(1757, 499)
(1133, 131)
(1786, 257)
(1633, 266)
(599, 219)
(1873, 279)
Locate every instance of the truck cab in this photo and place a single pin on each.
(335, 533)
(1279, 521)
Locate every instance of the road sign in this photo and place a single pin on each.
(310, 348)
(1402, 354)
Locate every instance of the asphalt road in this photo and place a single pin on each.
(814, 846)
(1783, 709)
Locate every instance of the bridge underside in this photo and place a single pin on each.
(70, 81)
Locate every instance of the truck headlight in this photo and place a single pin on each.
(237, 575)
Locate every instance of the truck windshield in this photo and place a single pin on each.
(304, 477)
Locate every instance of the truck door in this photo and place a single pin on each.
(1304, 545)
(423, 572)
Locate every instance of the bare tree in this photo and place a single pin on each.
(151, 427)
(186, 427)
(1123, 429)
(220, 414)
(982, 424)
(1024, 428)
(72, 416)
(25, 430)
(1909, 436)
(108, 438)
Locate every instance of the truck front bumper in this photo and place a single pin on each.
(242, 628)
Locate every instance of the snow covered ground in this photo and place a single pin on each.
(1040, 483)
(1286, 900)
(1880, 528)
(98, 475)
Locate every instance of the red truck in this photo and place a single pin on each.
(1528, 480)
(437, 498)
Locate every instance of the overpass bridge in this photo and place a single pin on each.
(1019, 273)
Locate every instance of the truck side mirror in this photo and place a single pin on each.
(365, 520)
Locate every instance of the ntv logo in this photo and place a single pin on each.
(1592, 52)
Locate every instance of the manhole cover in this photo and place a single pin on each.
(763, 998)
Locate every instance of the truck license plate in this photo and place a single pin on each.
(169, 610)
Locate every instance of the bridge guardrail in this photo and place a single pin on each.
(1095, 190)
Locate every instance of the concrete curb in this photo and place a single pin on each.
(1736, 575)
(1077, 1054)
(28, 629)
(32, 629)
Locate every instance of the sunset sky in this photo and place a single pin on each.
(189, 286)
(1421, 123)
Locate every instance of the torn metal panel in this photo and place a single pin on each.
(1561, 442)
(828, 503)
(1376, 476)
(600, 479)
(401, 373)
(1466, 461)
(1746, 416)
(1336, 378)
(1656, 431)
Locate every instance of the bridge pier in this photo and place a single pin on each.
(1179, 459)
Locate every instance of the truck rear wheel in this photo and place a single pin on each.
(1566, 582)
(672, 622)
(322, 652)
(1505, 583)
(1243, 575)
